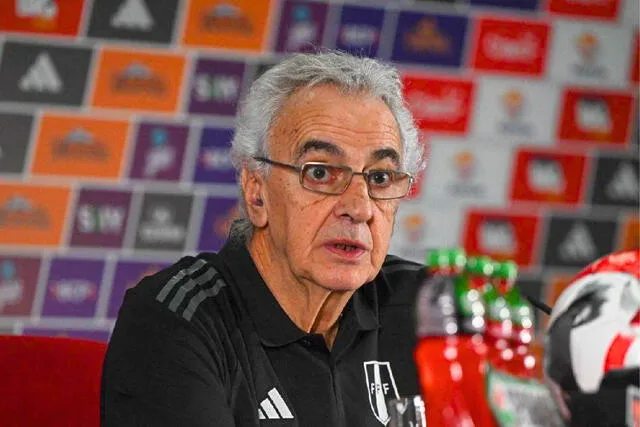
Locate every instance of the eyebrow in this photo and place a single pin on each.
(332, 149)
(318, 145)
(387, 153)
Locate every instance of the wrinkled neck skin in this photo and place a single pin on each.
(312, 308)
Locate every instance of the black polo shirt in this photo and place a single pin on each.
(205, 343)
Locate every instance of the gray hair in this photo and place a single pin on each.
(260, 108)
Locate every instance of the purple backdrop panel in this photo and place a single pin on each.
(73, 287)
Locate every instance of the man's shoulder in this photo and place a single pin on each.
(395, 264)
(399, 280)
(183, 288)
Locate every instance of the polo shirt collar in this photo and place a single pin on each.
(364, 306)
(273, 325)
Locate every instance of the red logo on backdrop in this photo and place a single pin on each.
(603, 117)
(45, 17)
(636, 61)
(548, 177)
(502, 236)
(513, 46)
(603, 9)
(440, 105)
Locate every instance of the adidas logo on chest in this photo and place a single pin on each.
(273, 407)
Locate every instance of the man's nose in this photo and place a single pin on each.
(355, 201)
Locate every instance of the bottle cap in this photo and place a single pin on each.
(456, 259)
(480, 266)
(436, 259)
(507, 271)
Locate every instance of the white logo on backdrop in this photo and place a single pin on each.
(41, 76)
(133, 15)
(578, 245)
(546, 176)
(221, 88)
(105, 219)
(497, 236)
(593, 115)
(624, 184)
(46, 9)
(160, 226)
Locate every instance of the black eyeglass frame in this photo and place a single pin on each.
(300, 170)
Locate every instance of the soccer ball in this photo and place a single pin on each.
(592, 341)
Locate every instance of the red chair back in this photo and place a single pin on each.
(50, 382)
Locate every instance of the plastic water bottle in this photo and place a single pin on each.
(472, 312)
(499, 325)
(437, 356)
(524, 363)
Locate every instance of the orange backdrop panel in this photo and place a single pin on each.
(32, 215)
(80, 147)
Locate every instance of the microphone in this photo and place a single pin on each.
(536, 303)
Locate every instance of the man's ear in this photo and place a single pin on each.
(252, 189)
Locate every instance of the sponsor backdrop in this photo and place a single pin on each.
(116, 117)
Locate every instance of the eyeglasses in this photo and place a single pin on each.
(325, 178)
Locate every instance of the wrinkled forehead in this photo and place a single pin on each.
(341, 125)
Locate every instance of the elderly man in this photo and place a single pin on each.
(302, 319)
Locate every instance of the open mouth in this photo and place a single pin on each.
(344, 247)
(346, 250)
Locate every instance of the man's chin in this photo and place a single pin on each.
(342, 280)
